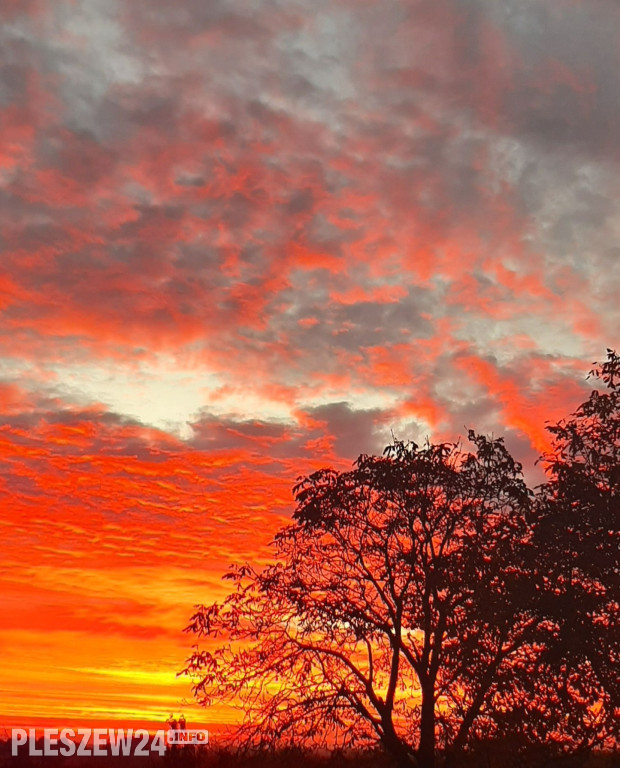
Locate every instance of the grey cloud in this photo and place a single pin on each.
(356, 431)
(580, 37)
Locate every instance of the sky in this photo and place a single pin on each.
(240, 241)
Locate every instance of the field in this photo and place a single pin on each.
(489, 756)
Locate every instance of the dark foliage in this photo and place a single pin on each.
(577, 535)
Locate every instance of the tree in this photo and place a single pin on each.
(428, 601)
(577, 538)
(397, 609)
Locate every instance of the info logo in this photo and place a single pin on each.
(186, 736)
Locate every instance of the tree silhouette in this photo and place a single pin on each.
(577, 537)
(427, 601)
(391, 613)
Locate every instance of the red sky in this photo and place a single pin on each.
(240, 241)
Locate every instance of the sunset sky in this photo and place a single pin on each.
(242, 240)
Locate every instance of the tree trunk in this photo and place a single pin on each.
(399, 751)
(426, 751)
(404, 759)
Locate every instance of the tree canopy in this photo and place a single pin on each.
(577, 538)
(429, 601)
